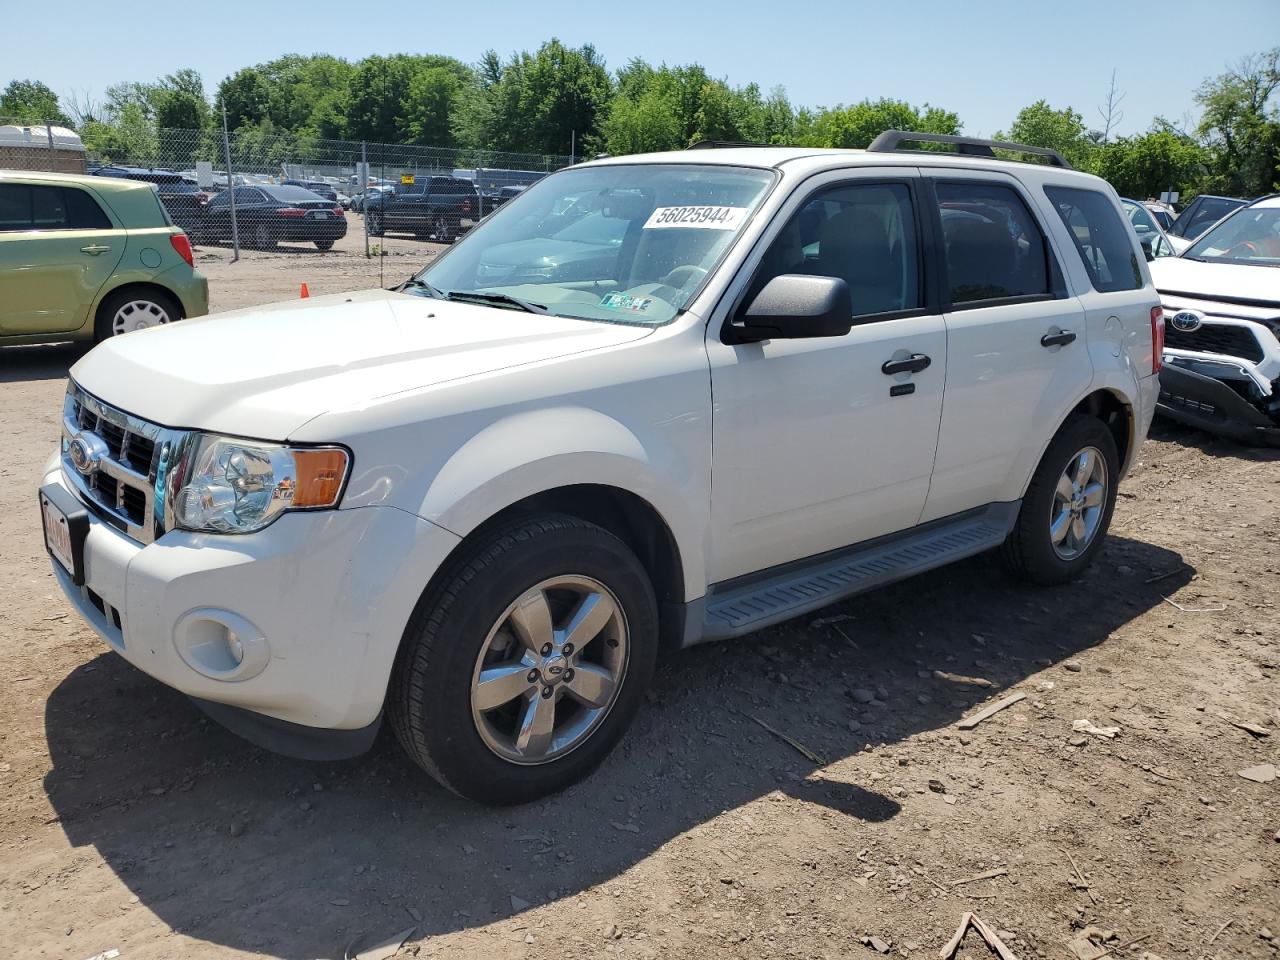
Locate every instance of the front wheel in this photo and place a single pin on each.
(1067, 509)
(374, 224)
(523, 667)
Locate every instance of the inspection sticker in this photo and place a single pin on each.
(625, 301)
(706, 218)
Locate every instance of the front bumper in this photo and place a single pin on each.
(1208, 404)
(318, 602)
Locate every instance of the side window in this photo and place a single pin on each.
(15, 207)
(48, 208)
(247, 195)
(1100, 238)
(864, 234)
(222, 199)
(83, 212)
(993, 247)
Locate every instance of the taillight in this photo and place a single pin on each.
(1157, 338)
(339, 211)
(466, 206)
(182, 244)
(291, 212)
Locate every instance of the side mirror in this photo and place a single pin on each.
(1147, 250)
(795, 306)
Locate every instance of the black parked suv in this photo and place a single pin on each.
(438, 207)
(181, 196)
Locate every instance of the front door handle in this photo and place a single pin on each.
(94, 249)
(912, 364)
(1060, 339)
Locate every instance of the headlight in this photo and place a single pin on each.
(239, 486)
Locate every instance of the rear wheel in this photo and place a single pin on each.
(263, 238)
(324, 244)
(1067, 509)
(524, 666)
(128, 310)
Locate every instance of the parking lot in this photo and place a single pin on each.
(787, 795)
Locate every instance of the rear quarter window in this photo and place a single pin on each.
(1100, 236)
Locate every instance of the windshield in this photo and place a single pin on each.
(621, 243)
(1250, 236)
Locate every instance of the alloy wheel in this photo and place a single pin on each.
(1079, 501)
(138, 315)
(550, 670)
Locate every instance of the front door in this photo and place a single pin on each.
(57, 248)
(815, 446)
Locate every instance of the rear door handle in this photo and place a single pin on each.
(912, 364)
(1060, 339)
(94, 249)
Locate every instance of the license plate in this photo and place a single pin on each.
(66, 527)
(57, 536)
(321, 215)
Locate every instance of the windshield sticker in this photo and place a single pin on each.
(626, 302)
(704, 218)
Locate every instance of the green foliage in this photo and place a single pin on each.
(540, 102)
(1242, 126)
(1039, 125)
(31, 102)
(857, 125)
(1145, 165)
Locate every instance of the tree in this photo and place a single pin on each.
(540, 102)
(379, 101)
(1110, 111)
(1242, 126)
(1039, 125)
(429, 105)
(1146, 165)
(857, 125)
(31, 102)
(245, 96)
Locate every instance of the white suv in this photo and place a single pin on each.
(654, 400)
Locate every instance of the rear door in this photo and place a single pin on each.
(58, 246)
(1017, 360)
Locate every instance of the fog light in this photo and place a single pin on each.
(221, 645)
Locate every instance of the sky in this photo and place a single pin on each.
(984, 59)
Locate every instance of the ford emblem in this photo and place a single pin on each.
(85, 452)
(1185, 321)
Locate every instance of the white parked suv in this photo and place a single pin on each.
(749, 383)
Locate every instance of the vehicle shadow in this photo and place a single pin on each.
(235, 846)
(40, 361)
(1209, 443)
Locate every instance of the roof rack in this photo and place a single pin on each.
(891, 142)
(725, 144)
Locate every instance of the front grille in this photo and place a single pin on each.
(120, 485)
(1221, 338)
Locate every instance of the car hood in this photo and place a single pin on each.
(1216, 281)
(265, 371)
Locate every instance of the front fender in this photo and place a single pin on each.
(533, 451)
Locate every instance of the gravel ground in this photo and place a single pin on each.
(128, 821)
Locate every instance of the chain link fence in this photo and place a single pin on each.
(264, 191)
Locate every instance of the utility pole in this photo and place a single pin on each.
(231, 188)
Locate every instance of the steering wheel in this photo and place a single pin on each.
(684, 276)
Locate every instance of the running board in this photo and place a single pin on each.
(760, 600)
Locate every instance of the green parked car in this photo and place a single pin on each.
(86, 258)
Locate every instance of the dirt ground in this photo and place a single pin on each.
(129, 822)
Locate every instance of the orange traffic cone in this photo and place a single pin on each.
(305, 293)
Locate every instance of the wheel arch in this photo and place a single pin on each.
(132, 286)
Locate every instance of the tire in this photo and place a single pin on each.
(324, 244)
(468, 619)
(1031, 551)
(374, 223)
(262, 238)
(132, 309)
(442, 232)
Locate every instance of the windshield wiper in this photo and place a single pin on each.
(415, 283)
(475, 296)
